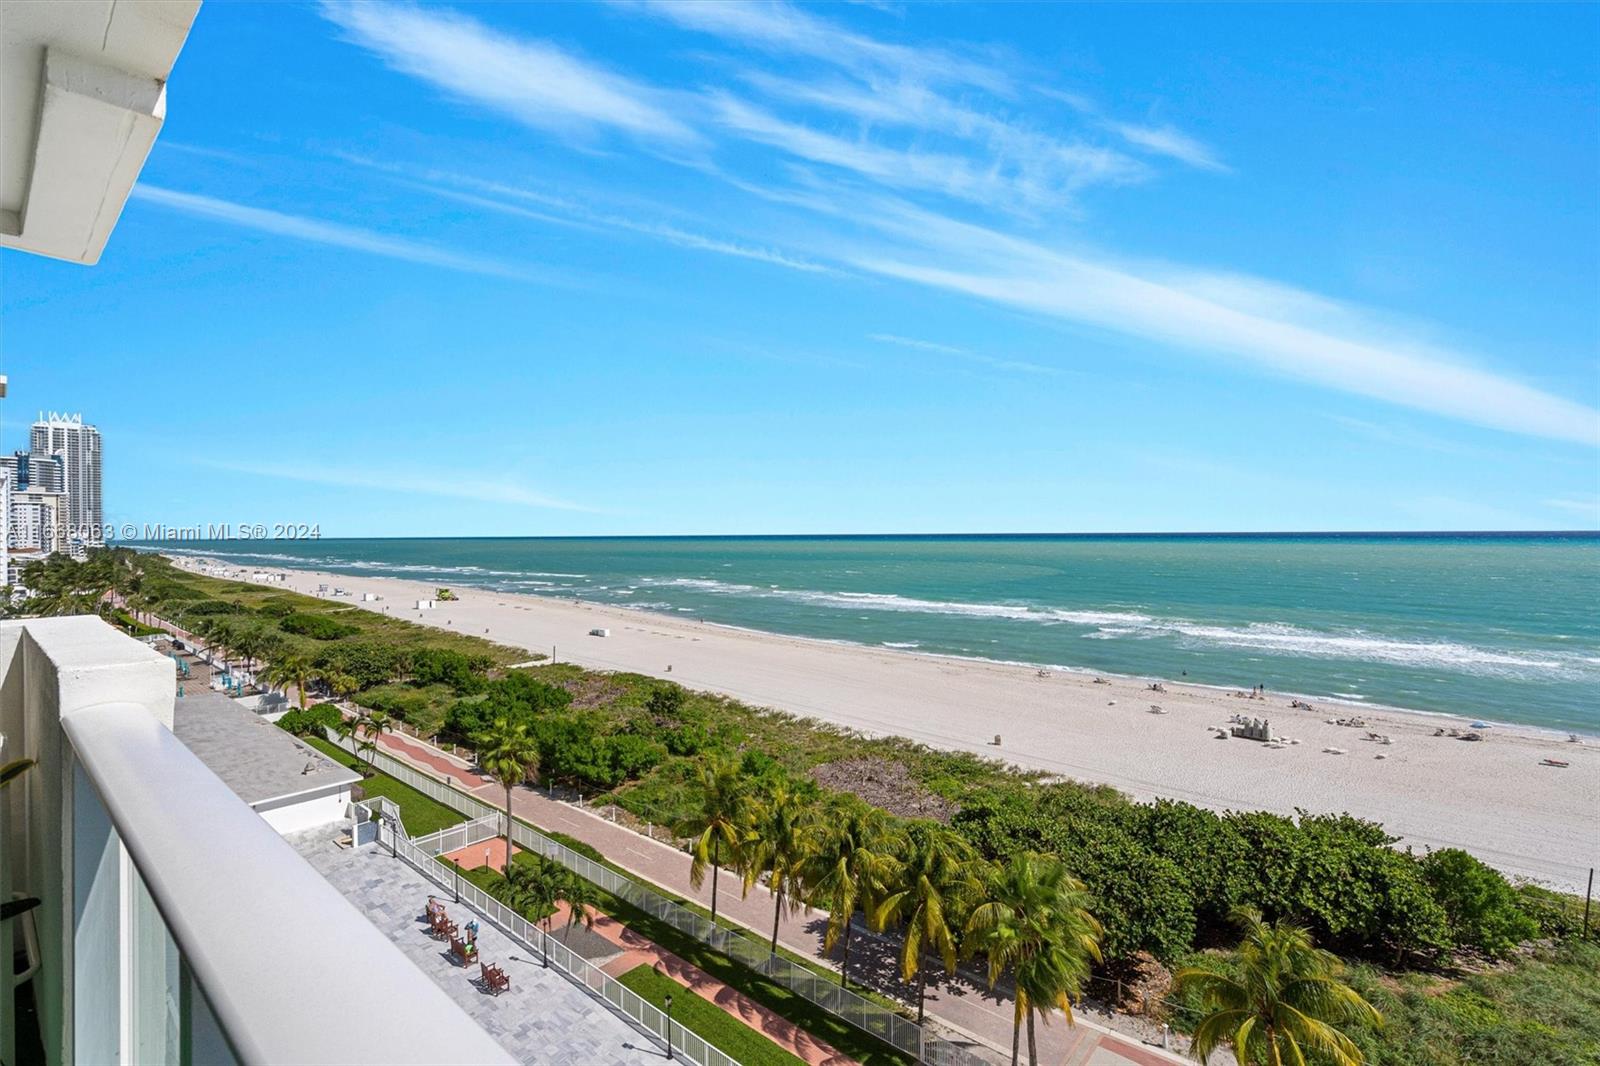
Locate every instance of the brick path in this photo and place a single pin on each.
(963, 1004)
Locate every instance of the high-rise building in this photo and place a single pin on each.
(74, 448)
(33, 471)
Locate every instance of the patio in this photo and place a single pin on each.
(542, 1018)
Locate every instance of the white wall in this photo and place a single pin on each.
(306, 812)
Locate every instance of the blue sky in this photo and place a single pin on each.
(728, 268)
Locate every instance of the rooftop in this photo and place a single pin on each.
(256, 759)
(543, 1017)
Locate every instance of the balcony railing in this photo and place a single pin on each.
(174, 924)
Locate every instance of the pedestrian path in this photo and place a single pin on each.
(963, 1005)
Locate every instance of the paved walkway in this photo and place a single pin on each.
(964, 1005)
(628, 949)
(542, 1018)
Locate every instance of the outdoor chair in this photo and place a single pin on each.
(462, 951)
(495, 980)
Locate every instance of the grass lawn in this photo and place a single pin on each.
(707, 1020)
(421, 814)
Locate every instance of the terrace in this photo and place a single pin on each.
(542, 1017)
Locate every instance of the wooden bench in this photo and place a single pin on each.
(495, 980)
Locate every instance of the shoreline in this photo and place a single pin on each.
(1065, 723)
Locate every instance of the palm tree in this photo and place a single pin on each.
(937, 883)
(346, 728)
(854, 862)
(509, 755)
(781, 848)
(1035, 922)
(580, 896)
(719, 830)
(290, 669)
(1287, 999)
(372, 725)
(531, 887)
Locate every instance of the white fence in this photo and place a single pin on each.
(898, 1032)
(422, 855)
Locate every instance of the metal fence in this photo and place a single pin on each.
(422, 855)
(898, 1032)
(460, 836)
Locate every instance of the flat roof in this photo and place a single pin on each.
(255, 758)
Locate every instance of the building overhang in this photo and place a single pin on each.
(83, 93)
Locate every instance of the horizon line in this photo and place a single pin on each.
(1125, 534)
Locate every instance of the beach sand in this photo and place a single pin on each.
(1493, 798)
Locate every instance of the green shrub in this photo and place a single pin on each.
(369, 662)
(1480, 905)
(212, 607)
(316, 626)
(311, 721)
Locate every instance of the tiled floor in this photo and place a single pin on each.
(543, 1018)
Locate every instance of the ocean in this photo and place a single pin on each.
(1501, 627)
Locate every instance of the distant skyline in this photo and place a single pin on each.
(647, 268)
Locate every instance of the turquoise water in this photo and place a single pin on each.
(1500, 627)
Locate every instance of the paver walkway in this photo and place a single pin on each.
(963, 1004)
(630, 949)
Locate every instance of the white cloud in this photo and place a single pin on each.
(317, 231)
(990, 181)
(781, 27)
(1399, 372)
(962, 353)
(1584, 505)
(1171, 142)
(565, 211)
(412, 482)
(533, 81)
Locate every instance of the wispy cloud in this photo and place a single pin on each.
(1265, 324)
(1163, 140)
(1016, 163)
(962, 353)
(1586, 505)
(411, 482)
(1170, 142)
(534, 82)
(318, 231)
(569, 213)
(781, 27)
(986, 180)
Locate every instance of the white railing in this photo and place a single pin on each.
(898, 1032)
(461, 836)
(175, 924)
(685, 1043)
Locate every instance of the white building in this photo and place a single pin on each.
(76, 447)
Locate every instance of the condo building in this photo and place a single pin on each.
(70, 452)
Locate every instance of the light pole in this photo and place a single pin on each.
(668, 1000)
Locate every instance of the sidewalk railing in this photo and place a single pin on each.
(685, 1043)
(898, 1032)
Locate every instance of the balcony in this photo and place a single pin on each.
(174, 924)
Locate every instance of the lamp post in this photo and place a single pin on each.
(668, 1000)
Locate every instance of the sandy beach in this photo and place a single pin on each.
(1493, 798)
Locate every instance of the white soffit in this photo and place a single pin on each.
(83, 91)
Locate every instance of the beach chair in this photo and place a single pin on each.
(495, 980)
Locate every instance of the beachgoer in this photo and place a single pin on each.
(472, 931)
